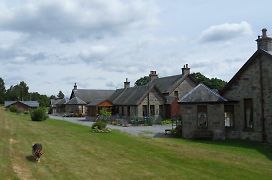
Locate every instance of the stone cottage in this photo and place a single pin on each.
(81, 99)
(251, 87)
(22, 105)
(133, 102)
(202, 112)
(244, 109)
(158, 99)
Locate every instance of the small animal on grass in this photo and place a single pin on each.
(37, 151)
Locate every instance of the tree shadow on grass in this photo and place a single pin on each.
(264, 148)
(30, 158)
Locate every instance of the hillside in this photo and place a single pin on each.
(73, 152)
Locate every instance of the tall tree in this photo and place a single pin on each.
(23, 88)
(142, 81)
(60, 95)
(2, 91)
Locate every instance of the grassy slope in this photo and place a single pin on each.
(72, 152)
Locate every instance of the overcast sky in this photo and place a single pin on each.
(51, 44)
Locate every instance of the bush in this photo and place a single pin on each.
(38, 114)
(13, 109)
(177, 132)
(99, 124)
(166, 121)
(99, 127)
(105, 115)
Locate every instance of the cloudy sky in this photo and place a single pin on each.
(98, 43)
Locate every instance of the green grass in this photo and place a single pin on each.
(73, 152)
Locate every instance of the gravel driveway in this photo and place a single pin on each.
(150, 131)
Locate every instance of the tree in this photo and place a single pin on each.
(23, 89)
(2, 91)
(18, 92)
(42, 99)
(142, 81)
(53, 97)
(60, 95)
(213, 83)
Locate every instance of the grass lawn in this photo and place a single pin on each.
(73, 152)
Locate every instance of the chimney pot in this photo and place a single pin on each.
(75, 86)
(185, 70)
(126, 84)
(264, 42)
(264, 30)
(153, 75)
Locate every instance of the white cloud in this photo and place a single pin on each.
(226, 31)
(71, 19)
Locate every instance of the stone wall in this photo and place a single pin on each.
(75, 109)
(248, 85)
(156, 99)
(267, 91)
(184, 87)
(215, 115)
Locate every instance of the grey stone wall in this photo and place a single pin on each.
(75, 109)
(154, 99)
(248, 86)
(184, 87)
(267, 91)
(215, 115)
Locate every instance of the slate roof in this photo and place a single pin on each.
(116, 93)
(169, 83)
(95, 102)
(130, 96)
(202, 93)
(89, 95)
(76, 101)
(62, 101)
(33, 104)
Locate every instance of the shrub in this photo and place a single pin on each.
(38, 114)
(99, 124)
(26, 112)
(18, 111)
(177, 131)
(13, 109)
(100, 127)
(166, 121)
(105, 115)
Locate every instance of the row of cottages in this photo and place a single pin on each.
(243, 110)
(158, 99)
(22, 105)
(88, 102)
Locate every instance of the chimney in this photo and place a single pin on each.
(153, 75)
(75, 86)
(264, 42)
(126, 84)
(185, 70)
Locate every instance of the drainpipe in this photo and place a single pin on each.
(262, 101)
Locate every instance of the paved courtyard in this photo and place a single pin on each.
(150, 131)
